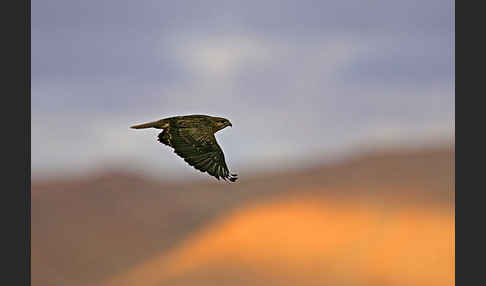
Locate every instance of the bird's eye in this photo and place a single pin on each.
(222, 121)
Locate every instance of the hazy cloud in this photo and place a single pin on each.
(294, 77)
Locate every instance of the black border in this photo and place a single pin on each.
(16, 127)
(28, 145)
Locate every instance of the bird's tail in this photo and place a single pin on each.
(159, 124)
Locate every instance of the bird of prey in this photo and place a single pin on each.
(192, 138)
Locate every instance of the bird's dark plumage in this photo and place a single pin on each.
(192, 138)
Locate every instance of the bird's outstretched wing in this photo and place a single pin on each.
(199, 148)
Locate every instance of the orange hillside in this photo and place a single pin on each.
(311, 241)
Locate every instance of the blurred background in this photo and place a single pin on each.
(343, 139)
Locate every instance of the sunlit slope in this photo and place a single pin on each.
(87, 230)
(311, 241)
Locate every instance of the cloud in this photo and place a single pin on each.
(296, 79)
(218, 56)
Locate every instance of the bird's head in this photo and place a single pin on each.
(220, 123)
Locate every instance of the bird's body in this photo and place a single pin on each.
(192, 138)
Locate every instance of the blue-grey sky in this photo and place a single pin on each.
(298, 79)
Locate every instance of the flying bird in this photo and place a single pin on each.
(192, 138)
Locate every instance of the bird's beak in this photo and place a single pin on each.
(231, 125)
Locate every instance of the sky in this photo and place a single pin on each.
(299, 80)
